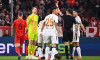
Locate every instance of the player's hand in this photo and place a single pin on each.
(60, 35)
(84, 31)
(41, 34)
(57, 3)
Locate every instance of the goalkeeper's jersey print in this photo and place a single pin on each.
(32, 22)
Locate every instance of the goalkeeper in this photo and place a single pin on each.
(32, 22)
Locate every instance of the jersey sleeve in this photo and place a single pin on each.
(39, 24)
(45, 19)
(62, 15)
(79, 21)
(37, 17)
(56, 19)
(28, 20)
(26, 24)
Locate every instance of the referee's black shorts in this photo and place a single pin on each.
(67, 36)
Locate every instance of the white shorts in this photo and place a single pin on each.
(76, 38)
(52, 39)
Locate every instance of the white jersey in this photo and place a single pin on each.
(40, 26)
(50, 21)
(78, 20)
(40, 39)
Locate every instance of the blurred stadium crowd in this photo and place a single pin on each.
(89, 10)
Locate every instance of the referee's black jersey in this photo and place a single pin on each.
(68, 21)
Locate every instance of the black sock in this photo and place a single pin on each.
(77, 46)
(71, 49)
(39, 46)
(66, 51)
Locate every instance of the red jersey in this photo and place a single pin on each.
(19, 26)
(26, 36)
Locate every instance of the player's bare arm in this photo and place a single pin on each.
(83, 27)
(76, 28)
(57, 28)
(26, 30)
(42, 29)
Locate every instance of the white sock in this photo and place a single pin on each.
(40, 52)
(56, 52)
(79, 51)
(73, 51)
(53, 53)
(46, 52)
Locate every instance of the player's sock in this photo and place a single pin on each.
(53, 53)
(17, 50)
(29, 50)
(78, 51)
(40, 51)
(46, 52)
(73, 50)
(33, 49)
(20, 50)
(66, 51)
(26, 51)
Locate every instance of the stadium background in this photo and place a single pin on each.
(89, 11)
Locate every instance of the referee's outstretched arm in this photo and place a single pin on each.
(59, 9)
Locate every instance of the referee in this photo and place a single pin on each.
(69, 20)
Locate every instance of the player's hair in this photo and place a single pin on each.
(70, 11)
(20, 13)
(75, 10)
(53, 8)
(34, 7)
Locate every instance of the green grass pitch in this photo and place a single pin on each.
(63, 58)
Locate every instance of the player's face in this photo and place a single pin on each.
(34, 10)
(74, 13)
(56, 11)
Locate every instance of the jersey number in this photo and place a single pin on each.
(49, 22)
(20, 26)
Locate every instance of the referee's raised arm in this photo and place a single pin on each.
(60, 13)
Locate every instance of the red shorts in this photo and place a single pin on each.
(19, 39)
